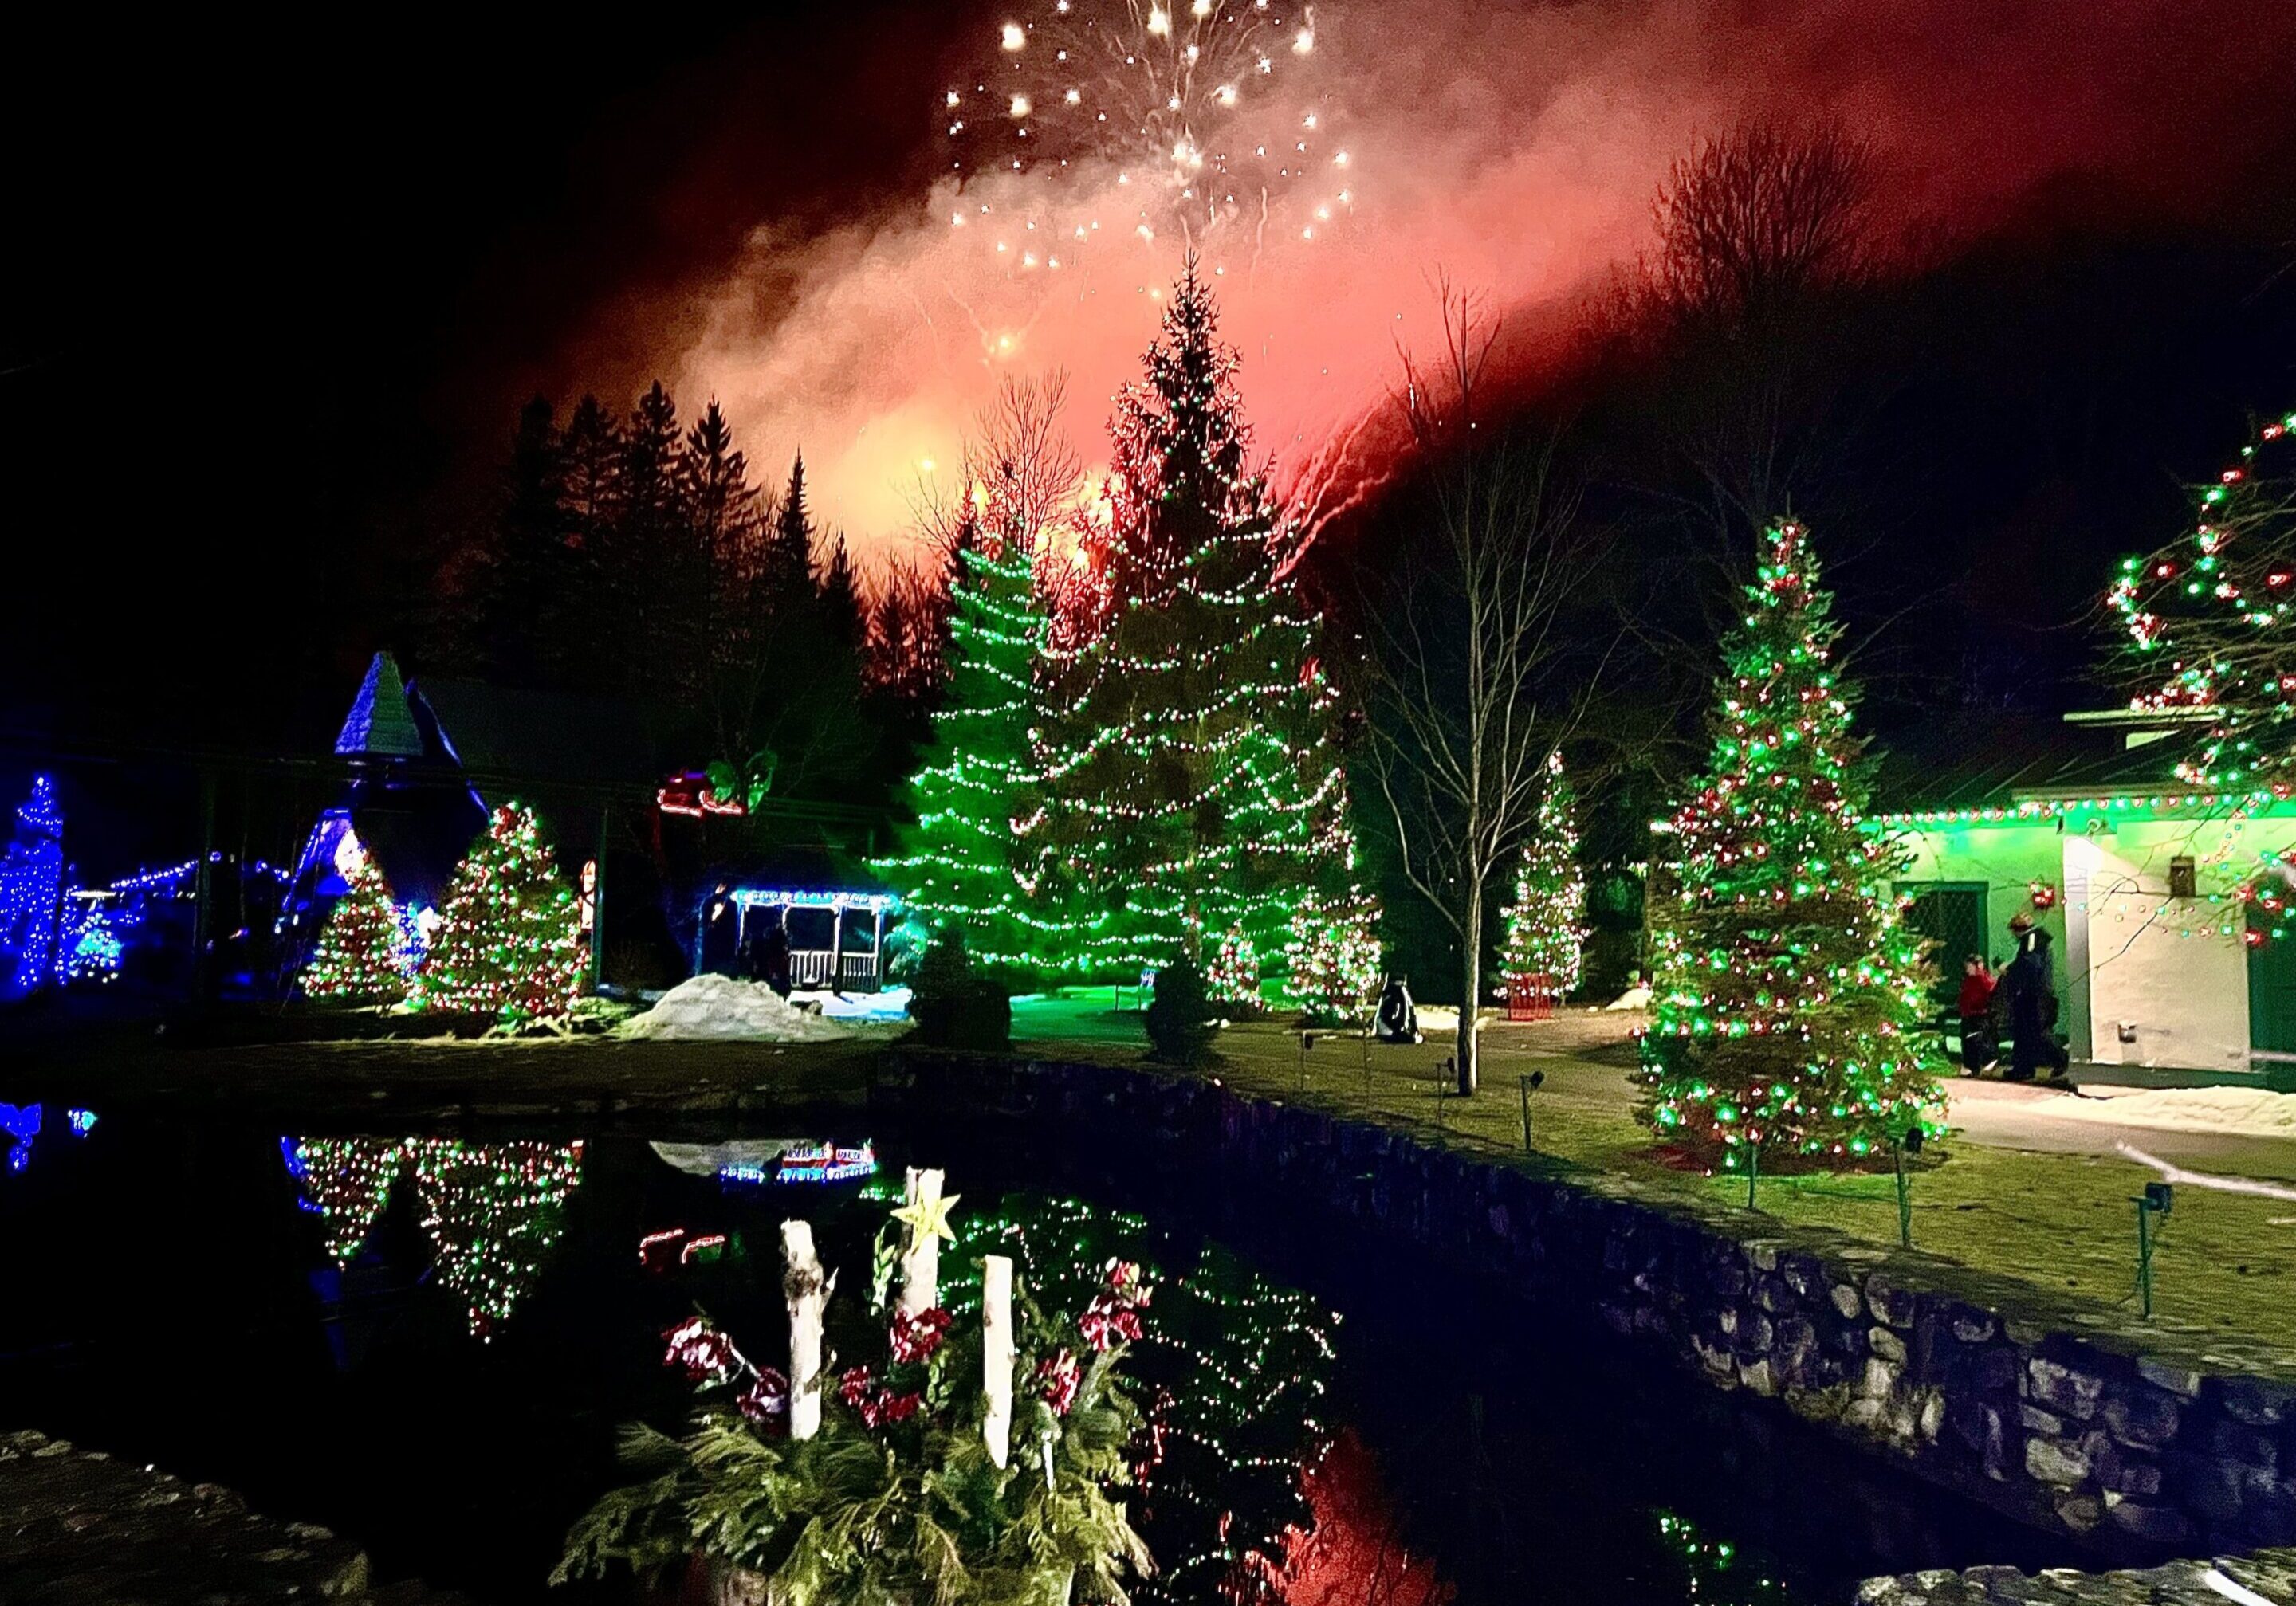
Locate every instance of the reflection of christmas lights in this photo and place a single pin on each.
(823, 1162)
(21, 1125)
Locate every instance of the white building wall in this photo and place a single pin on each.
(2167, 977)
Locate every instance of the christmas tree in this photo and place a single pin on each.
(1546, 924)
(1788, 995)
(963, 865)
(1335, 955)
(356, 960)
(1191, 788)
(1233, 977)
(2209, 619)
(507, 943)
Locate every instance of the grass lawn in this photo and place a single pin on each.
(2226, 1265)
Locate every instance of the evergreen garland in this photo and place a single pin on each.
(1788, 996)
(508, 943)
(356, 960)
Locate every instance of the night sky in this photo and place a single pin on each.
(272, 301)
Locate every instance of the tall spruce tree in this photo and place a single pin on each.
(1191, 786)
(1788, 996)
(1547, 922)
(961, 865)
(526, 571)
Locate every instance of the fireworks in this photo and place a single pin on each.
(1207, 119)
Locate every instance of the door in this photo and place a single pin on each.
(1951, 915)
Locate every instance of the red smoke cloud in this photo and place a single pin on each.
(1513, 148)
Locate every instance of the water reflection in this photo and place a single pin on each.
(492, 1211)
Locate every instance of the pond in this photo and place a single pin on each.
(427, 1342)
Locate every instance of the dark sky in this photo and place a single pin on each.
(269, 298)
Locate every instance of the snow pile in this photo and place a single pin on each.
(876, 1008)
(717, 1007)
(2245, 1111)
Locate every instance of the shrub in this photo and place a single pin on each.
(1179, 1019)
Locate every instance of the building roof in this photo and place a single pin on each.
(1982, 758)
(379, 721)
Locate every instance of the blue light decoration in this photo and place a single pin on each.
(31, 888)
(821, 1162)
(22, 1126)
(92, 948)
(82, 1121)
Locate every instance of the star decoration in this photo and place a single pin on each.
(928, 1218)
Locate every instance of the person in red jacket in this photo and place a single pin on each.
(1977, 1052)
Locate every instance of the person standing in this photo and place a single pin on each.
(1976, 1007)
(2030, 983)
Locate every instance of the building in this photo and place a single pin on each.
(2136, 875)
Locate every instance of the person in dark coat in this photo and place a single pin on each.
(721, 932)
(773, 951)
(2031, 985)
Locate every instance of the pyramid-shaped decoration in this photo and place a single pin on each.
(379, 722)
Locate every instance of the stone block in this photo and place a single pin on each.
(1880, 1377)
(1886, 1344)
(1933, 1417)
(1895, 1307)
(2256, 1403)
(2034, 1420)
(1862, 1412)
(2063, 1390)
(1973, 1326)
(2142, 1416)
(2080, 1513)
(2152, 1524)
(2268, 1513)
(1846, 1300)
(1755, 1375)
(2052, 1462)
(2175, 1379)
(2233, 1442)
(1773, 1295)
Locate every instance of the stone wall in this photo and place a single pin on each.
(2140, 1443)
(2269, 1575)
(79, 1528)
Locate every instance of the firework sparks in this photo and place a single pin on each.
(1209, 113)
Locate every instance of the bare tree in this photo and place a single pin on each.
(1753, 223)
(1473, 674)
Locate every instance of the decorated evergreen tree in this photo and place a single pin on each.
(1190, 783)
(507, 943)
(960, 864)
(1788, 996)
(356, 960)
(1233, 977)
(1546, 924)
(1334, 955)
(2208, 619)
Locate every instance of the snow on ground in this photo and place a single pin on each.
(719, 1007)
(2245, 1112)
(892, 1004)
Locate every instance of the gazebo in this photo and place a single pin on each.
(834, 965)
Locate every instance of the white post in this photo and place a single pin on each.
(996, 1352)
(921, 1255)
(808, 1291)
(837, 949)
